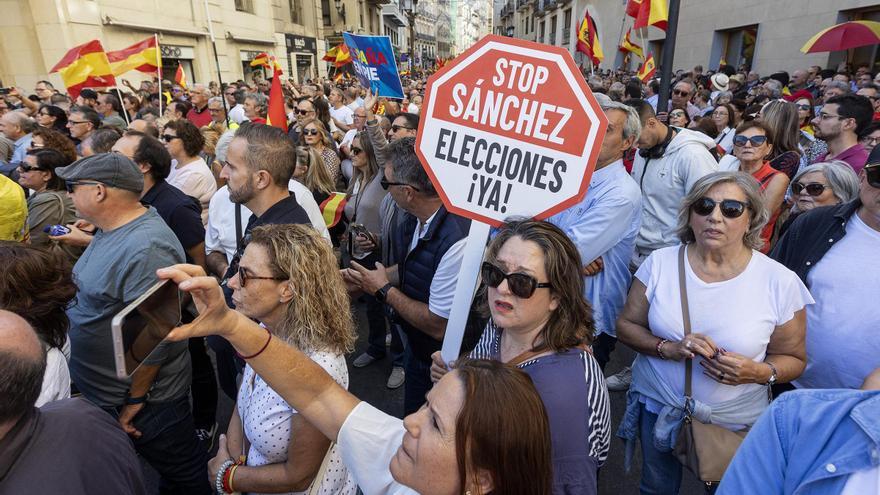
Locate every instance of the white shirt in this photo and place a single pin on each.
(56, 378)
(220, 231)
(369, 440)
(843, 327)
(739, 314)
(358, 103)
(725, 139)
(446, 275)
(194, 179)
(236, 114)
(343, 114)
(266, 419)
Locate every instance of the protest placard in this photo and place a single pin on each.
(374, 64)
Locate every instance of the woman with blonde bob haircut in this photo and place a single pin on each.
(286, 280)
(747, 315)
(315, 135)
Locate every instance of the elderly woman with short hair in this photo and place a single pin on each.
(747, 315)
(821, 184)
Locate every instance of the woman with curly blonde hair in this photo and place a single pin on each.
(287, 280)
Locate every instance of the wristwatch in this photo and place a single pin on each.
(382, 293)
(130, 401)
(773, 375)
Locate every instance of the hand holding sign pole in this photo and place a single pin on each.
(509, 128)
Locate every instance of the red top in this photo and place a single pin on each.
(199, 118)
(764, 175)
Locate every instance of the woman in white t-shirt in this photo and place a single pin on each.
(280, 283)
(37, 285)
(189, 172)
(746, 314)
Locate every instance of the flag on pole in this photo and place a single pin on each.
(276, 116)
(142, 57)
(652, 13)
(629, 46)
(588, 39)
(632, 8)
(179, 76)
(85, 66)
(648, 69)
(339, 55)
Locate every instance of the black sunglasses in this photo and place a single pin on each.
(27, 168)
(813, 188)
(755, 140)
(521, 285)
(396, 128)
(804, 107)
(678, 92)
(71, 184)
(310, 132)
(356, 151)
(303, 112)
(168, 138)
(243, 277)
(385, 183)
(872, 174)
(730, 208)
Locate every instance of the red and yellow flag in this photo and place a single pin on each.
(276, 116)
(629, 46)
(632, 8)
(180, 76)
(588, 39)
(339, 55)
(648, 69)
(85, 66)
(142, 57)
(653, 13)
(332, 208)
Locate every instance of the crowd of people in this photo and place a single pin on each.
(735, 229)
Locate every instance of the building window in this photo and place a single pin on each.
(541, 31)
(244, 6)
(552, 39)
(735, 47)
(566, 28)
(325, 12)
(296, 15)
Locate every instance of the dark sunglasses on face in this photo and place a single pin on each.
(303, 112)
(521, 285)
(71, 184)
(813, 188)
(386, 184)
(804, 108)
(168, 138)
(678, 92)
(356, 151)
(872, 174)
(310, 132)
(397, 128)
(755, 140)
(27, 168)
(243, 277)
(730, 208)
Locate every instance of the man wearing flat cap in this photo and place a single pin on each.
(129, 243)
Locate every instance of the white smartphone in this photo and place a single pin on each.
(139, 328)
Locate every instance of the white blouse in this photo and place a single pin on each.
(266, 419)
(194, 179)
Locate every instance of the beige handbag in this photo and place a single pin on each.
(705, 449)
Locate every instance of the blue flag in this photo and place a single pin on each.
(374, 64)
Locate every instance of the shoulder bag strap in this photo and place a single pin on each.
(685, 317)
(237, 227)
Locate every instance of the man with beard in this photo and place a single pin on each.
(258, 166)
(840, 123)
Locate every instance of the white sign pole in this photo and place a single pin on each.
(464, 290)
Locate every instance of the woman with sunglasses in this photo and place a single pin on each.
(747, 316)
(52, 117)
(315, 135)
(679, 118)
(189, 171)
(483, 430)
(751, 146)
(821, 184)
(286, 280)
(541, 323)
(49, 204)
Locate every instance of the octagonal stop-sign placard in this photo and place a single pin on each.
(509, 128)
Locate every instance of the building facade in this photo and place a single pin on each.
(760, 35)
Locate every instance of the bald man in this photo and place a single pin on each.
(94, 451)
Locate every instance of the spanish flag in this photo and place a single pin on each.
(332, 208)
(142, 57)
(85, 66)
(339, 55)
(588, 39)
(180, 76)
(653, 13)
(648, 69)
(632, 8)
(629, 46)
(275, 116)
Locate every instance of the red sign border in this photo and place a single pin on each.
(593, 152)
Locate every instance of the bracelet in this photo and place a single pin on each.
(231, 476)
(659, 348)
(131, 401)
(221, 473)
(261, 349)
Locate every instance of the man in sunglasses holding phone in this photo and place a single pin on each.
(834, 252)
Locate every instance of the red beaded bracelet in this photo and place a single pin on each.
(261, 349)
(227, 479)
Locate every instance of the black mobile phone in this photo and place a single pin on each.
(5, 91)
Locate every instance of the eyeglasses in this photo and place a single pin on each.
(678, 92)
(873, 141)
(396, 128)
(804, 108)
(304, 112)
(754, 140)
(27, 168)
(243, 277)
(813, 189)
(215, 110)
(74, 122)
(71, 184)
(730, 208)
(310, 132)
(676, 114)
(356, 151)
(872, 174)
(521, 285)
(168, 138)
(37, 146)
(828, 116)
(719, 114)
(386, 184)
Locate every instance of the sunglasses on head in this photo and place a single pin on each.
(310, 132)
(730, 208)
(813, 188)
(755, 140)
(872, 174)
(521, 285)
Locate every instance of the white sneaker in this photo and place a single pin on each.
(397, 377)
(620, 381)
